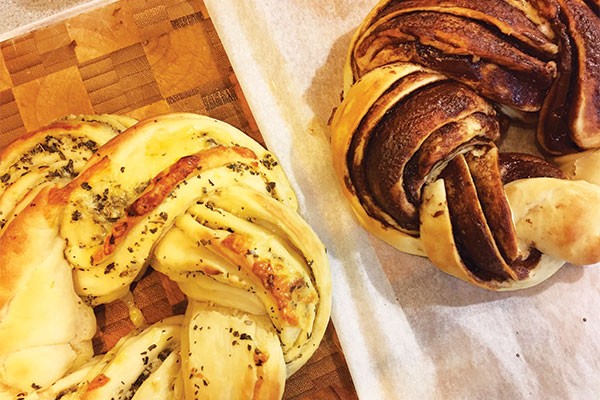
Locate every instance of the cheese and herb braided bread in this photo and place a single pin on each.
(183, 194)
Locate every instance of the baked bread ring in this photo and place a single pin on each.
(191, 197)
(428, 87)
(30, 353)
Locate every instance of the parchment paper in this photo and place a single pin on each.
(408, 330)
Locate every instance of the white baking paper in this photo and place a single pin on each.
(408, 330)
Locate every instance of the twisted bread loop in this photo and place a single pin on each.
(35, 280)
(56, 153)
(415, 136)
(111, 205)
(153, 354)
(191, 197)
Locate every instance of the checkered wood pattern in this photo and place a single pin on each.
(140, 58)
(136, 57)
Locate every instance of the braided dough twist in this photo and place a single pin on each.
(187, 195)
(426, 83)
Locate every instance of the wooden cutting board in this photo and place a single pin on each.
(141, 58)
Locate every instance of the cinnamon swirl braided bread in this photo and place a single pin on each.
(93, 203)
(429, 87)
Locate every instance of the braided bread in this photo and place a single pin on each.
(430, 88)
(187, 195)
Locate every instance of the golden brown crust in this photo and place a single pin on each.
(35, 278)
(55, 153)
(573, 234)
(17, 240)
(205, 188)
(255, 359)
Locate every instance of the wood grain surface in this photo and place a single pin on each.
(141, 58)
